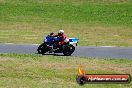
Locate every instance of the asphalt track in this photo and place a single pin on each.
(81, 51)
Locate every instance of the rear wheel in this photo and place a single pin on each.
(42, 49)
(68, 50)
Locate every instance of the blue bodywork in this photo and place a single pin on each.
(49, 39)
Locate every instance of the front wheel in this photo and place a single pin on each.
(42, 48)
(68, 50)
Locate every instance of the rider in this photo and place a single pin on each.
(62, 36)
(60, 40)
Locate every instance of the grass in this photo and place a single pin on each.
(94, 22)
(36, 71)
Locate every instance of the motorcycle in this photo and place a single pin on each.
(50, 45)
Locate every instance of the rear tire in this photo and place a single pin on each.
(68, 50)
(42, 49)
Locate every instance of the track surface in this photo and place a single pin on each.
(81, 51)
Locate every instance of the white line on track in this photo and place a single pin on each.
(18, 44)
(35, 44)
(107, 46)
(8, 43)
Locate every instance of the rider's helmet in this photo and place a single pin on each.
(60, 32)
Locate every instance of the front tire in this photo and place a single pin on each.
(68, 50)
(42, 49)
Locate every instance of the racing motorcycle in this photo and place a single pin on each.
(50, 45)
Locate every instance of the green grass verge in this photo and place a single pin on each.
(94, 22)
(37, 71)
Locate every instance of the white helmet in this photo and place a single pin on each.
(61, 32)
